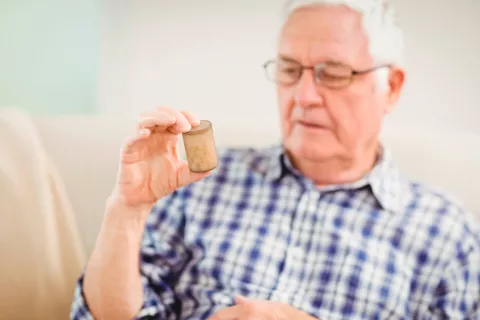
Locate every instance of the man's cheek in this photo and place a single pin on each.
(285, 108)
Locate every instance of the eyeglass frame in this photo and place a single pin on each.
(354, 72)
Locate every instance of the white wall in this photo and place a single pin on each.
(206, 56)
(49, 54)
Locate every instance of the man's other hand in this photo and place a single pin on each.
(249, 309)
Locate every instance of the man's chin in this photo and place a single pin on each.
(309, 149)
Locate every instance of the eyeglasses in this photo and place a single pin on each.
(330, 74)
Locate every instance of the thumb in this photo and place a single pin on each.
(241, 300)
(186, 177)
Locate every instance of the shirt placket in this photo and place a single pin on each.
(288, 282)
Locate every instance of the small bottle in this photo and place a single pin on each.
(200, 148)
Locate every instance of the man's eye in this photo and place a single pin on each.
(290, 71)
(332, 76)
(336, 72)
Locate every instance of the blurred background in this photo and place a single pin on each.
(123, 57)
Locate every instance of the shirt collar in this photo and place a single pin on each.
(385, 180)
(387, 183)
(276, 164)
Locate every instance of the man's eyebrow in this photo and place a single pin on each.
(287, 59)
(336, 62)
(330, 61)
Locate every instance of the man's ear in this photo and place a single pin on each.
(396, 80)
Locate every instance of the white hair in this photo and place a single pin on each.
(380, 24)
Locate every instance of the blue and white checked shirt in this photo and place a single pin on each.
(381, 248)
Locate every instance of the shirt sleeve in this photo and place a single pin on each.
(162, 257)
(458, 294)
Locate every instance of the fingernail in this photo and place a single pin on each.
(144, 132)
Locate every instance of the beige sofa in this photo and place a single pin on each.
(85, 150)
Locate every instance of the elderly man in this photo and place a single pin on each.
(322, 226)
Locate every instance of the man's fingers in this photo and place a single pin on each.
(129, 145)
(231, 313)
(181, 124)
(161, 119)
(168, 119)
(241, 300)
(186, 177)
(194, 121)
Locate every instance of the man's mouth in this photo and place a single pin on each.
(311, 125)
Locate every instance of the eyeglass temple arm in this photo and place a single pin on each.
(359, 72)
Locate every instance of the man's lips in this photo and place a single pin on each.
(311, 125)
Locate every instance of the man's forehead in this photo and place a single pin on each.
(320, 21)
(334, 31)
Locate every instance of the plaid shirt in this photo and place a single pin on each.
(381, 248)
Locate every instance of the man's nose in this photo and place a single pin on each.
(306, 91)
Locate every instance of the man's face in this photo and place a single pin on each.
(320, 123)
